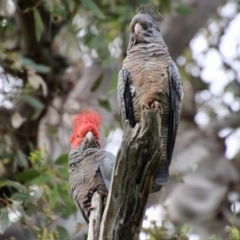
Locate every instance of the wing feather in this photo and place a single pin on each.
(106, 168)
(175, 100)
(125, 97)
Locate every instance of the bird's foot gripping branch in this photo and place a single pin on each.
(136, 163)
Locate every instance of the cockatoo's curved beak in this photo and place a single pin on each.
(138, 28)
(89, 136)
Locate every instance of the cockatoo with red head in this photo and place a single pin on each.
(90, 167)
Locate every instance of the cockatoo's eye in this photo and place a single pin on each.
(78, 136)
(144, 25)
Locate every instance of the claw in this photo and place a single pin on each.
(85, 200)
(145, 106)
(90, 208)
(155, 105)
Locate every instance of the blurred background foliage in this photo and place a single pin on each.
(60, 56)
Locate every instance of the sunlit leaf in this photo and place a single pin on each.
(79, 227)
(94, 8)
(36, 81)
(178, 177)
(39, 27)
(193, 166)
(17, 120)
(234, 234)
(4, 220)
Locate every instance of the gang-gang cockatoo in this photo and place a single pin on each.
(149, 78)
(90, 167)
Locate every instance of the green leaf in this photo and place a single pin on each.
(20, 196)
(63, 233)
(163, 5)
(193, 166)
(114, 82)
(51, 129)
(39, 27)
(20, 208)
(97, 83)
(104, 103)
(63, 159)
(4, 220)
(32, 209)
(234, 234)
(65, 196)
(65, 4)
(43, 178)
(214, 237)
(53, 198)
(183, 9)
(16, 185)
(28, 175)
(21, 159)
(26, 62)
(94, 8)
(32, 101)
(178, 177)
(67, 210)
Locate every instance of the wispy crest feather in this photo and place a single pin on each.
(151, 11)
(86, 117)
(84, 122)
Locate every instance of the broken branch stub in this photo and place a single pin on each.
(136, 163)
(95, 217)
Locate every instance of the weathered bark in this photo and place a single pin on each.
(95, 217)
(136, 163)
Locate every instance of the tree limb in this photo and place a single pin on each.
(136, 163)
(95, 217)
(182, 28)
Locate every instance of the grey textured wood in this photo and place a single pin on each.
(132, 179)
(95, 217)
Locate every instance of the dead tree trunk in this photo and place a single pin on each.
(136, 163)
(95, 217)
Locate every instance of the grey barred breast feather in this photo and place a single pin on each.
(89, 171)
(149, 78)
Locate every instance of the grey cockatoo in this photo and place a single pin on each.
(90, 167)
(149, 78)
